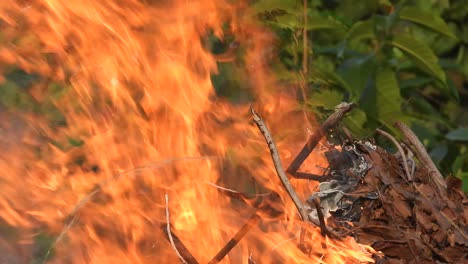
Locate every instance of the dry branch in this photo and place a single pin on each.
(409, 176)
(332, 121)
(278, 166)
(179, 245)
(323, 225)
(421, 152)
(253, 220)
(169, 233)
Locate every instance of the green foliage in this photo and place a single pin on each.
(399, 60)
(387, 94)
(460, 134)
(420, 54)
(426, 19)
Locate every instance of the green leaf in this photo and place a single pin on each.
(416, 82)
(356, 72)
(425, 111)
(420, 53)
(420, 17)
(269, 5)
(460, 134)
(355, 121)
(362, 30)
(464, 177)
(288, 21)
(383, 25)
(317, 23)
(438, 153)
(388, 95)
(457, 166)
(327, 99)
(452, 90)
(329, 78)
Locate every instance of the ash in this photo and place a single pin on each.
(347, 167)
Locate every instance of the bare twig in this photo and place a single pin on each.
(463, 233)
(253, 220)
(423, 157)
(169, 233)
(309, 176)
(278, 166)
(400, 150)
(283, 242)
(332, 120)
(224, 189)
(179, 245)
(323, 226)
(58, 239)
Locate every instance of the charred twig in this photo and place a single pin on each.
(169, 235)
(278, 166)
(265, 203)
(421, 152)
(253, 220)
(323, 226)
(179, 245)
(400, 150)
(332, 120)
(309, 176)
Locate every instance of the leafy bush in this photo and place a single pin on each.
(399, 60)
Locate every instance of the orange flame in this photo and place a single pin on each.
(141, 97)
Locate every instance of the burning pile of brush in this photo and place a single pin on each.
(124, 153)
(400, 206)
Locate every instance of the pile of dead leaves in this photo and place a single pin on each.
(408, 221)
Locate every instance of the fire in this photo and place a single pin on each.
(142, 108)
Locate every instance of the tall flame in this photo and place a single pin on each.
(141, 99)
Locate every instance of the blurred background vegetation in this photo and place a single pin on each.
(399, 60)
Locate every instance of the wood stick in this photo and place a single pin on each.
(253, 220)
(179, 245)
(309, 176)
(423, 157)
(400, 150)
(323, 226)
(332, 121)
(278, 166)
